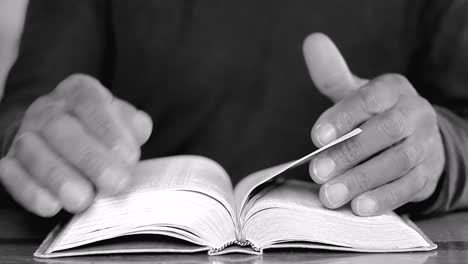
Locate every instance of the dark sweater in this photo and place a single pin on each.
(227, 80)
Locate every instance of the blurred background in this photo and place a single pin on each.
(11, 25)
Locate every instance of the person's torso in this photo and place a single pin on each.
(227, 79)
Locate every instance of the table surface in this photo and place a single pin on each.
(450, 232)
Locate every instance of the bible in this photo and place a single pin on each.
(186, 204)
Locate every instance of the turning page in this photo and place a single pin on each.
(251, 182)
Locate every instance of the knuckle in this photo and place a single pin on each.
(348, 152)
(54, 124)
(81, 77)
(369, 99)
(78, 80)
(78, 87)
(394, 124)
(101, 123)
(71, 83)
(91, 163)
(96, 117)
(78, 77)
(394, 79)
(360, 182)
(392, 197)
(62, 132)
(344, 121)
(87, 157)
(409, 157)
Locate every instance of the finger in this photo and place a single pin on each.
(66, 136)
(25, 191)
(139, 122)
(378, 133)
(81, 86)
(392, 195)
(379, 170)
(71, 188)
(376, 97)
(328, 69)
(87, 99)
(40, 112)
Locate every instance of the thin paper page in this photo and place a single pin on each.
(331, 144)
(158, 178)
(249, 183)
(184, 172)
(298, 202)
(188, 172)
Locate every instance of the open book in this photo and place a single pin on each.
(187, 204)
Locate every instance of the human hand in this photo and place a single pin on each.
(75, 141)
(399, 156)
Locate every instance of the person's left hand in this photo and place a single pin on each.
(399, 156)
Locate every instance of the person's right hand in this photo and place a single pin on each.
(72, 143)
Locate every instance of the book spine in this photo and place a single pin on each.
(235, 242)
(239, 234)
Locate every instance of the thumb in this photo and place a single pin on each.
(328, 69)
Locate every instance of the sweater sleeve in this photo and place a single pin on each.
(440, 74)
(59, 38)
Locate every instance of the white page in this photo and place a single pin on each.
(249, 183)
(292, 212)
(153, 180)
(186, 172)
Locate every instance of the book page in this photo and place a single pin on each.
(185, 172)
(188, 197)
(292, 212)
(251, 182)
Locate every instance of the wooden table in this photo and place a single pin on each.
(450, 232)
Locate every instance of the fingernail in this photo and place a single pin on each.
(75, 197)
(323, 167)
(336, 194)
(325, 134)
(126, 153)
(114, 180)
(143, 123)
(366, 206)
